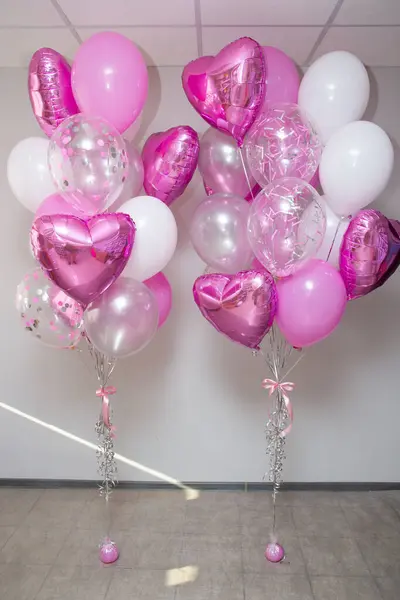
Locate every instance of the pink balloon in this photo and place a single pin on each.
(241, 306)
(228, 89)
(283, 81)
(109, 79)
(161, 289)
(59, 205)
(170, 160)
(83, 257)
(370, 252)
(310, 303)
(50, 91)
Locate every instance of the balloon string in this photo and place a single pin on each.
(245, 172)
(342, 219)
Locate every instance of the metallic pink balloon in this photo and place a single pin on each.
(50, 90)
(228, 89)
(170, 160)
(241, 306)
(83, 257)
(370, 252)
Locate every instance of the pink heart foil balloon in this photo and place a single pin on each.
(170, 160)
(370, 252)
(241, 306)
(50, 92)
(83, 257)
(228, 89)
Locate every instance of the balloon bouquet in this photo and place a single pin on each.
(287, 258)
(99, 275)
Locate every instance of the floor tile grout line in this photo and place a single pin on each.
(324, 31)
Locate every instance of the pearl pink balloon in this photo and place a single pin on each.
(162, 291)
(109, 79)
(283, 81)
(59, 205)
(311, 303)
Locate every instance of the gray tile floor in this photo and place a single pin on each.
(340, 546)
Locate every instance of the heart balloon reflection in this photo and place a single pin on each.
(83, 257)
(241, 306)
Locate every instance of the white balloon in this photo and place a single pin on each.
(156, 236)
(355, 166)
(28, 172)
(334, 91)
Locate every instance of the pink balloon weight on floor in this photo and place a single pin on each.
(59, 205)
(311, 303)
(109, 79)
(161, 289)
(283, 81)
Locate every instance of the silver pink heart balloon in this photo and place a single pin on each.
(50, 91)
(83, 257)
(241, 306)
(169, 161)
(228, 89)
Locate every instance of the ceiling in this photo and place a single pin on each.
(173, 32)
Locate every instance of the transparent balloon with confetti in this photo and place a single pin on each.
(286, 225)
(282, 143)
(47, 313)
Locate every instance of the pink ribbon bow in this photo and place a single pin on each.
(283, 387)
(103, 393)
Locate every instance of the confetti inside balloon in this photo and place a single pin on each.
(48, 313)
(88, 159)
(282, 143)
(286, 225)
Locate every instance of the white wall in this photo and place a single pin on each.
(191, 403)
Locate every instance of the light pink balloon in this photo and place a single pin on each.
(58, 205)
(310, 303)
(283, 81)
(161, 289)
(109, 79)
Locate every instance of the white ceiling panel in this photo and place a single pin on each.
(18, 45)
(297, 42)
(33, 13)
(128, 12)
(161, 46)
(369, 12)
(375, 46)
(266, 12)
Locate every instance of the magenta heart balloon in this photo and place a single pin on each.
(50, 91)
(83, 257)
(240, 306)
(170, 160)
(228, 89)
(370, 252)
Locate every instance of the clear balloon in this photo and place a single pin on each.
(87, 157)
(47, 312)
(334, 91)
(228, 89)
(28, 172)
(134, 181)
(276, 229)
(283, 80)
(370, 252)
(162, 291)
(156, 236)
(356, 166)
(241, 306)
(221, 167)
(123, 320)
(282, 143)
(50, 91)
(170, 160)
(311, 303)
(219, 232)
(109, 79)
(83, 257)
